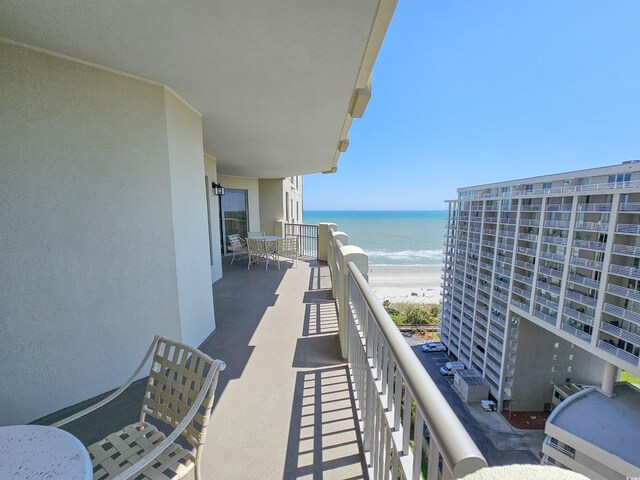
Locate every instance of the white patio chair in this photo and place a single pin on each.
(257, 251)
(180, 390)
(288, 247)
(237, 246)
(255, 234)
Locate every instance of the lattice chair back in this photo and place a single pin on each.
(176, 378)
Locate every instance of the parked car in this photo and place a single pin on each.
(433, 347)
(450, 368)
(488, 405)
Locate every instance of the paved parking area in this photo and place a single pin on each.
(499, 442)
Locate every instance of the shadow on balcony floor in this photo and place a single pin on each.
(285, 409)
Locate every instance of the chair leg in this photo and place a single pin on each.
(234, 256)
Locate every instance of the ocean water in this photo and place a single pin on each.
(392, 238)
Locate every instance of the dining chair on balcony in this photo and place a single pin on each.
(255, 234)
(288, 248)
(257, 251)
(237, 246)
(179, 394)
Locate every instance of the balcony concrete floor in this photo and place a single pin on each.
(284, 406)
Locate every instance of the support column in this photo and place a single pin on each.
(609, 377)
(339, 239)
(346, 254)
(323, 240)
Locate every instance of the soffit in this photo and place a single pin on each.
(273, 79)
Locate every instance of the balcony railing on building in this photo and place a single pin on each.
(307, 236)
(396, 400)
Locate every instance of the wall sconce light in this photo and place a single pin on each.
(217, 189)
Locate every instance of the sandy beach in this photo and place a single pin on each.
(399, 283)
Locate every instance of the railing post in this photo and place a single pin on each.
(346, 254)
(279, 230)
(323, 240)
(338, 240)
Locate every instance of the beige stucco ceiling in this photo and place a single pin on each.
(273, 79)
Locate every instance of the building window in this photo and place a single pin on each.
(546, 185)
(619, 178)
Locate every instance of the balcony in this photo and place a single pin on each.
(575, 332)
(622, 354)
(624, 292)
(288, 396)
(626, 228)
(622, 313)
(627, 250)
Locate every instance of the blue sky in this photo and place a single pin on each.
(471, 92)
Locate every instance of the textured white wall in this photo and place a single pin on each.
(271, 204)
(211, 169)
(190, 227)
(87, 249)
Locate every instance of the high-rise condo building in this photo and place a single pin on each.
(542, 285)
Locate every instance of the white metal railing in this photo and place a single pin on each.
(630, 207)
(543, 316)
(389, 381)
(594, 207)
(307, 236)
(600, 246)
(622, 312)
(626, 228)
(550, 441)
(534, 222)
(577, 315)
(584, 262)
(528, 236)
(575, 332)
(624, 270)
(554, 240)
(593, 226)
(613, 350)
(552, 272)
(553, 190)
(559, 207)
(627, 250)
(592, 302)
(620, 333)
(586, 281)
(556, 223)
(624, 292)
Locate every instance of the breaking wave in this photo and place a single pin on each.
(405, 257)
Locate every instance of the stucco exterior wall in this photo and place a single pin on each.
(540, 365)
(253, 194)
(211, 172)
(271, 204)
(189, 214)
(91, 268)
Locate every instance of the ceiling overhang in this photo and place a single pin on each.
(278, 82)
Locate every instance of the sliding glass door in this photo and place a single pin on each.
(235, 215)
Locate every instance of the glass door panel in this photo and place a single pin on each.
(235, 215)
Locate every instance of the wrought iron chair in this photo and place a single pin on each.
(179, 393)
(237, 246)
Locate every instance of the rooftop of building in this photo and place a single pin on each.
(614, 428)
(471, 377)
(624, 167)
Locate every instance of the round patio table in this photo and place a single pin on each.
(36, 452)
